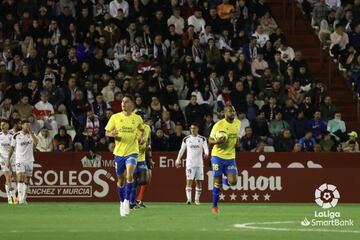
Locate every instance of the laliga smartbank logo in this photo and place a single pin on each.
(327, 197)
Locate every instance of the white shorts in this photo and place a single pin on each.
(25, 167)
(195, 173)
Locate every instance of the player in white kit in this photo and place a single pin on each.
(15, 128)
(5, 141)
(195, 146)
(24, 142)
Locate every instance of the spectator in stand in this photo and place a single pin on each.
(307, 107)
(197, 21)
(327, 144)
(297, 148)
(277, 125)
(285, 142)
(271, 108)
(354, 37)
(62, 141)
(319, 13)
(194, 112)
(109, 91)
(159, 141)
(299, 125)
(289, 111)
(337, 127)
(260, 126)
(327, 109)
(268, 23)
(244, 123)
(44, 113)
(261, 36)
(176, 138)
(248, 142)
(251, 108)
(79, 107)
(307, 142)
(99, 106)
(116, 104)
(347, 146)
(25, 111)
(45, 141)
(115, 5)
(223, 98)
(334, 4)
(91, 159)
(225, 10)
(165, 124)
(177, 21)
(287, 52)
(317, 125)
(258, 65)
(351, 147)
(339, 40)
(206, 126)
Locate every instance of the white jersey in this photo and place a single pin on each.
(24, 146)
(5, 141)
(195, 146)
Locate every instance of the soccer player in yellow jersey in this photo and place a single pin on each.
(223, 153)
(141, 171)
(128, 130)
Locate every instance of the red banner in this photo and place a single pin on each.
(272, 177)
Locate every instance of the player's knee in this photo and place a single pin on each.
(217, 185)
(120, 183)
(129, 178)
(232, 182)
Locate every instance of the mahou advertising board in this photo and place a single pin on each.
(271, 177)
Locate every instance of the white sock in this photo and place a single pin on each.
(197, 194)
(25, 191)
(14, 189)
(7, 191)
(188, 193)
(20, 190)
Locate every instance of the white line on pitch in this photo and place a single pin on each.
(251, 227)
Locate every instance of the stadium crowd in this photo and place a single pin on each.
(65, 66)
(338, 26)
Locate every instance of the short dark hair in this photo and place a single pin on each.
(129, 96)
(194, 124)
(4, 120)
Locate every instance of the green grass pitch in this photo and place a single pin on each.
(170, 221)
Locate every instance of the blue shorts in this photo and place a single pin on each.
(222, 166)
(141, 167)
(121, 162)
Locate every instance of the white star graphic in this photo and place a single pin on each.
(244, 197)
(222, 197)
(255, 197)
(232, 197)
(267, 197)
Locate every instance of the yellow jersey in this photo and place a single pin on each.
(143, 147)
(226, 150)
(127, 140)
